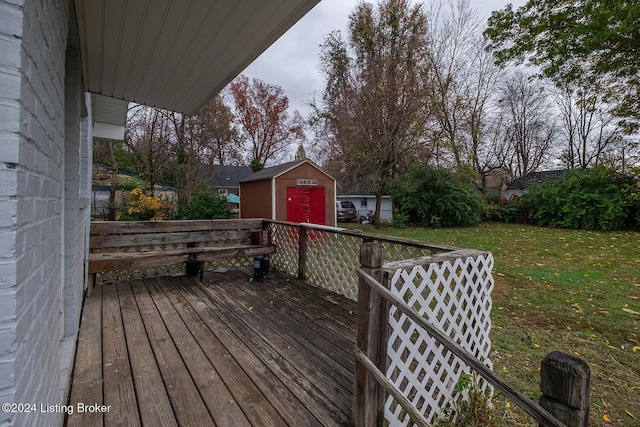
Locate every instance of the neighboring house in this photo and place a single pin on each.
(515, 188)
(493, 183)
(68, 69)
(363, 198)
(298, 191)
(224, 179)
(366, 203)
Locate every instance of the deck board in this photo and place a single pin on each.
(223, 351)
(118, 383)
(154, 406)
(87, 380)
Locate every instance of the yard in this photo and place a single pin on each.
(574, 291)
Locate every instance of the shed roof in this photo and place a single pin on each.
(276, 171)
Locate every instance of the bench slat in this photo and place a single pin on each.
(101, 262)
(98, 241)
(137, 227)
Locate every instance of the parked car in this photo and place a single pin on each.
(346, 211)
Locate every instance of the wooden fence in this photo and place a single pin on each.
(424, 322)
(328, 257)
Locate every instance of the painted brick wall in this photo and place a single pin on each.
(33, 304)
(10, 78)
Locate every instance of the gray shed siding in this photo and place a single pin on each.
(44, 176)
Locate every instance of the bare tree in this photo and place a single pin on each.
(216, 130)
(373, 103)
(526, 125)
(454, 31)
(148, 137)
(589, 129)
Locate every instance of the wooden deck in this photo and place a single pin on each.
(226, 351)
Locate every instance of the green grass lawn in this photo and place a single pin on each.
(573, 291)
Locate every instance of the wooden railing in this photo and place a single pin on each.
(367, 268)
(328, 256)
(386, 299)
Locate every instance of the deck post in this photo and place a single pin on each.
(564, 383)
(302, 252)
(371, 339)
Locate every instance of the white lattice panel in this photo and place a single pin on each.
(455, 297)
(286, 239)
(332, 260)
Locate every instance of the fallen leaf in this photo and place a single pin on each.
(633, 297)
(636, 348)
(607, 418)
(631, 415)
(626, 310)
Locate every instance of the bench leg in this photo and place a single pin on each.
(195, 269)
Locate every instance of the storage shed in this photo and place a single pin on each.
(298, 191)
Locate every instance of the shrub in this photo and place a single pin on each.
(476, 410)
(491, 207)
(131, 183)
(143, 208)
(596, 199)
(206, 205)
(436, 197)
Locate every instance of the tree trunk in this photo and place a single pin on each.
(376, 220)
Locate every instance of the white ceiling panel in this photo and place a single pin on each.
(176, 54)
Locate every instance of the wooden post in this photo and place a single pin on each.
(371, 339)
(302, 252)
(564, 383)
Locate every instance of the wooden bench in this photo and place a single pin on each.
(190, 242)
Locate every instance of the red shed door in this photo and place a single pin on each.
(306, 205)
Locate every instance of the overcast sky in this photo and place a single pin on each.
(292, 62)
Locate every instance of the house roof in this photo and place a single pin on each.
(358, 187)
(534, 178)
(224, 175)
(175, 54)
(276, 171)
(360, 196)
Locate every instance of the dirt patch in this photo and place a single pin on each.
(500, 285)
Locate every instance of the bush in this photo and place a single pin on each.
(476, 410)
(596, 199)
(514, 211)
(491, 207)
(143, 208)
(436, 197)
(206, 205)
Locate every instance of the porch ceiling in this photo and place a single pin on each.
(176, 54)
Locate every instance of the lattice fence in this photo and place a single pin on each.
(286, 239)
(332, 257)
(454, 296)
(332, 260)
